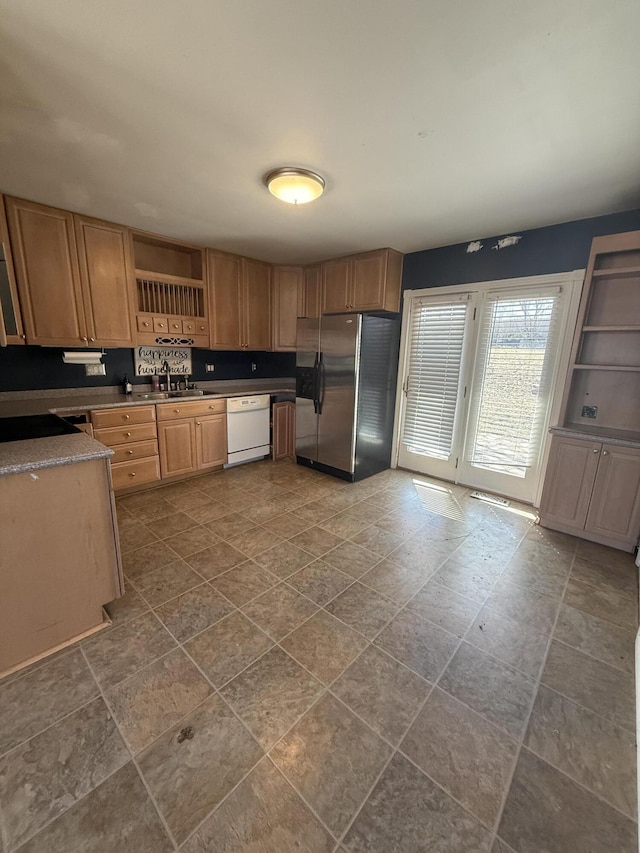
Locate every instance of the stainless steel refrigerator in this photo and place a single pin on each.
(346, 369)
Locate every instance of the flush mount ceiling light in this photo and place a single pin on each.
(295, 186)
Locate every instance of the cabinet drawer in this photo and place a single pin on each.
(160, 324)
(195, 327)
(114, 436)
(169, 411)
(175, 325)
(145, 324)
(126, 474)
(137, 450)
(124, 416)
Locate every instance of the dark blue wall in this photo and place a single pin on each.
(556, 248)
(30, 368)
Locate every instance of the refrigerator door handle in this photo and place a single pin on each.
(321, 383)
(314, 388)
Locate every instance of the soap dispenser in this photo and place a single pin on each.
(127, 387)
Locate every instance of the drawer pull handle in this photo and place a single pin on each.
(127, 435)
(126, 417)
(129, 452)
(177, 411)
(132, 473)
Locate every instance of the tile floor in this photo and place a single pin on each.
(301, 664)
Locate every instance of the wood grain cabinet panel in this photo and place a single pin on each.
(256, 297)
(367, 282)
(312, 294)
(106, 276)
(11, 329)
(177, 444)
(283, 430)
(211, 441)
(46, 263)
(288, 305)
(225, 301)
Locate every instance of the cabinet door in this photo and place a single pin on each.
(225, 301)
(368, 281)
(615, 505)
(106, 276)
(177, 445)
(46, 264)
(280, 427)
(312, 303)
(288, 283)
(569, 480)
(256, 279)
(291, 430)
(10, 318)
(335, 285)
(211, 441)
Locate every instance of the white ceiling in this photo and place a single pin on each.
(432, 122)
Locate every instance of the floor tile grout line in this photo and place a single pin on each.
(628, 672)
(581, 784)
(525, 726)
(133, 756)
(611, 722)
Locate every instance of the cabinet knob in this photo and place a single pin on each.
(129, 452)
(146, 324)
(83, 339)
(595, 450)
(92, 339)
(24, 337)
(126, 417)
(132, 474)
(605, 452)
(198, 423)
(127, 435)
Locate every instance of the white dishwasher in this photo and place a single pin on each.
(247, 428)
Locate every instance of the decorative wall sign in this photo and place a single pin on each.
(151, 360)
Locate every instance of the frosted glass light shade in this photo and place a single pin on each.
(295, 186)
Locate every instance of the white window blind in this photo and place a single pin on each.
(511, 383)
(436, 336)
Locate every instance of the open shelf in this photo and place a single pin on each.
(164, 257)
(620, 368)
(611, 328)
(169, 279)
(616, 272)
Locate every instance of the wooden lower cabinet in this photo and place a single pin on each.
(284, 430)
(192, 444)
(592, 490)
(131, 433)
(177, 444)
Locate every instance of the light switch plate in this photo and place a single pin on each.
(209, 368)
(95, 369)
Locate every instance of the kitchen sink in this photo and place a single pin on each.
(167, 395)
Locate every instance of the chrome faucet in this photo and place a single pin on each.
(166, 370)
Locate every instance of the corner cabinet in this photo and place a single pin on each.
(239, 302)
(592, 484)
(73, 275)
(368, 282)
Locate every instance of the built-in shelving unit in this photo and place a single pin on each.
(171, 299)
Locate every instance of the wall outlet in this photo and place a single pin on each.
(209, 368)
(254, 367)
(95, 369)
(590, 412)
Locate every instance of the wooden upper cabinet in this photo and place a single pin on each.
(288, 305)
(11, 331)
(46, 263)
(256, 296)
(106, 276)
(225, 301)
(336, 281)
(368, 282)
(312, 293)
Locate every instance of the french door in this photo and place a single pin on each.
(480, 368)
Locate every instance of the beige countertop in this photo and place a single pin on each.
(606, 436)
(35, 453)
(18, 457)
(78, 400)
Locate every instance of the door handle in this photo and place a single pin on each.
(322, 380)
(315, 384)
